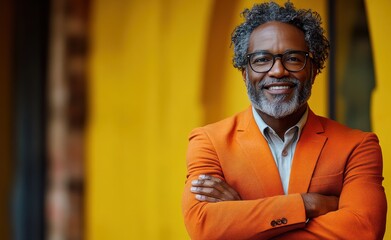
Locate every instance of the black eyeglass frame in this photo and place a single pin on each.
(307, 55)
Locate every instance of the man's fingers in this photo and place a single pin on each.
(210, 182)
(207, 183)
(204, 198)
(222, 186)
(214, 188)
(210, 192)
(231, 191)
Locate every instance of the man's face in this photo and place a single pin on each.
(278, 92)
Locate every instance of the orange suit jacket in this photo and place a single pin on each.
(330, 159)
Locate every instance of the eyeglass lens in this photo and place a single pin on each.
(292, 61)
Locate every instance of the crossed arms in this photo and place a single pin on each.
(210, 189)
(214, 209)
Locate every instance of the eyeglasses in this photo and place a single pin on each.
(293, 61)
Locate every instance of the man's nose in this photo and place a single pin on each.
(278, 70)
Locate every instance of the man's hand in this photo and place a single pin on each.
(316, 204)
(211, 189)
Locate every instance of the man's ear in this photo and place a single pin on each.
(244, 74)
(314, 70)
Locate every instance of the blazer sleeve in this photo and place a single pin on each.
(246, 219)
(362, 204)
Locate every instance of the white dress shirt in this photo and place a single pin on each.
(283, 151)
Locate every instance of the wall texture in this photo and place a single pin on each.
(379, 22)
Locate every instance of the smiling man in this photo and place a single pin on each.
(277, 170)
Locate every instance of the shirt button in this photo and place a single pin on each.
(285, 153)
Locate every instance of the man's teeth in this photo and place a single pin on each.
(278, 87)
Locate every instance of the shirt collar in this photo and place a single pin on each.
(263, 126)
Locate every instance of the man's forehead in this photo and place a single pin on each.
(277, 35)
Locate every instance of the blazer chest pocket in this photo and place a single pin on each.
(327, 184)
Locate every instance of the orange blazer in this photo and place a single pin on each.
(330, 159)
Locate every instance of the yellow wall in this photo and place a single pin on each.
(379, 26)
(145, 70)
(147, 91)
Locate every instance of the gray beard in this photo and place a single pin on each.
(278, 107)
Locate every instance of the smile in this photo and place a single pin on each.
(278, 87)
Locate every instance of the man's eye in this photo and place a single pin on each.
(261, 60)
(293, 59)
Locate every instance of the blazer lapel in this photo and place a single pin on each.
(307, 152)
(257, 153)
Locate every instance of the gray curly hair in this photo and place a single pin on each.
(306, 20)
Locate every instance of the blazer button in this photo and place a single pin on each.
(284, 220)
(273, 223)
(279, 222)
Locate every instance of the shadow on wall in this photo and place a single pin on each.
(357, 78)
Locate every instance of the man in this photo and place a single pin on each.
(277, 170)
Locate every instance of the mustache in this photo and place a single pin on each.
(267, 81)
